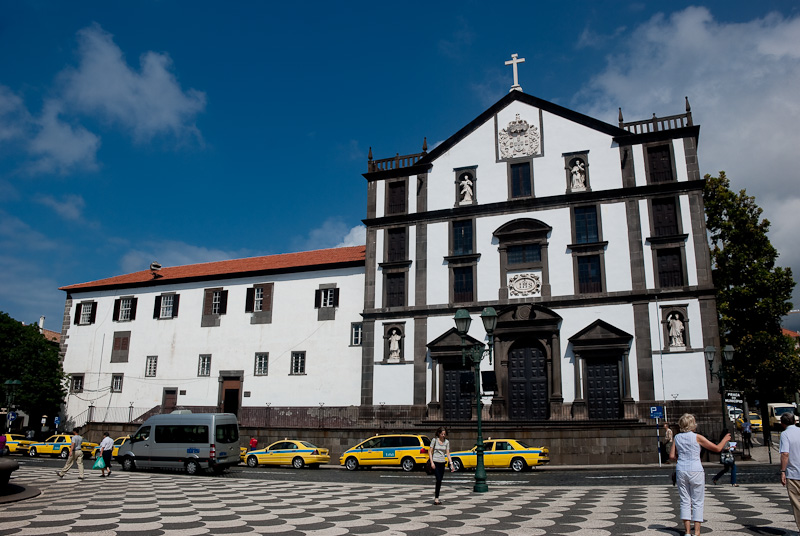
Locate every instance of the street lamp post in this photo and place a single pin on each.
(10, 388)
(475, 354)
(727, 354)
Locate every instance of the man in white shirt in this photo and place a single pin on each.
(106, 448)
(790, 462)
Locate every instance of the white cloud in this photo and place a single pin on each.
(61, 147)
(741, 80)
(70, 207)
(148, 102)
(17, 236)
(173, 253)
(356, 237)
(333, 233)
(14, 116)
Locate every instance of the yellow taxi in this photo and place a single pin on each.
(292, 452)
(405, 450)
(118, 442)
(755, 422)
(58, 445)
(16, 443)
(243, 454)
(502, 453)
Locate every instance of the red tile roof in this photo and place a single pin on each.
(287, 262)
(50, 335)
(790, 333)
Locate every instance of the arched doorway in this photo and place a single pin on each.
(527, 382)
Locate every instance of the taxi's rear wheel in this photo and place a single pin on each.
(128, 464)
(351, 464)
(32, 452)
(6, 452)
(252, 461)
(64, 454)
(298, 462)
(408, 464)
(518, 465)
(457, 465)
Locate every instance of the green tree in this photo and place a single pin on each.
(752, 294)
(26, 355)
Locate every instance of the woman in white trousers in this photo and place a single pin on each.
(689, 471)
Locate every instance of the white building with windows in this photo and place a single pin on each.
(587, 238)
(249, 332)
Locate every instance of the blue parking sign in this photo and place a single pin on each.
(656, 412)
(12, 416)
(56, 421)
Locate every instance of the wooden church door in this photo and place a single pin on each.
(457, 405)
(602, 388)
(527, 384)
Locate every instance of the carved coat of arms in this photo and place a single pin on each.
(518, 139)
(524, 285)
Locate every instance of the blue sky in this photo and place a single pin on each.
(187, 132)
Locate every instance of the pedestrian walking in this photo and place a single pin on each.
(690, 476)
(75, 455)
(106, 449)
(438, 456)
(790, 462)
(253, 443)
(2, 444)
(666, 442)
(728, 461)
(747, 433)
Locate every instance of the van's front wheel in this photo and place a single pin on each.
(192, 467)
(128, 464)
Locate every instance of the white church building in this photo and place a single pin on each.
(587, 238)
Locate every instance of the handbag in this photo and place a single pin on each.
(726, 458)
(99, 463)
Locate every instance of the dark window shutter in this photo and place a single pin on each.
(78, 313)
(336, 297)
(175, 302)
(267, 304)
(157, 308)
(249, 300)
(116, 310)
(223, 302)
(124, 343)
(117, 343)
(317, 298)
(133, 308)
(94, 313)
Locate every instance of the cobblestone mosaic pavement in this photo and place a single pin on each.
(159, 503)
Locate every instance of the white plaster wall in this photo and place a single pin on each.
(681, 173)
(647, 251)
(639, 164)
(380, 196)
(437, 273)
(691, 254)
(617, 256)
(393, 384)
(332, 370)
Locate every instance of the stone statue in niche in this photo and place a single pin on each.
(466, 189)
(578, 171)
(394, 345)
(676, 330)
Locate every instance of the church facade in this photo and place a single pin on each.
(588, 239)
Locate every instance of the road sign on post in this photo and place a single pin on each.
(56, 422)
(656, 412)
(12, 416)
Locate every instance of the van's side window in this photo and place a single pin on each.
(227, 433)
(143, 434)
(181, 434)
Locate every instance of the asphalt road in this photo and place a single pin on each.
(748, 473)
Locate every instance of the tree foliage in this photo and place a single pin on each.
(26, 355)
(752, 293)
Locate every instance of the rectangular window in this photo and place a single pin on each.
(589, 278)
(116, 383)
(215, 300)
(258, 299)
(124, 309)
(521, 180)
(659, 161)
(204, 365)
(77, 383)
(524, 254)
(298, 363)
(120, 347)
(326, 298)
(396, 197)
(166, 306)
(356, 333)
(670, 271)
(665, 217)
(395, 289)
(150, 367)
(396, 245)
(586, 225)
(262, 364)
(86, 313)
(462, 237)
(463, 290)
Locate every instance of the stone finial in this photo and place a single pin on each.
(425, 144)
(620, 116)
(688, 107)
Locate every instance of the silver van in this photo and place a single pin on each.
(184, 440)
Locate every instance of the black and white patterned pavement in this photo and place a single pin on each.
(165, 503)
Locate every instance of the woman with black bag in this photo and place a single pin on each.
(438, 456)
(728, 461)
